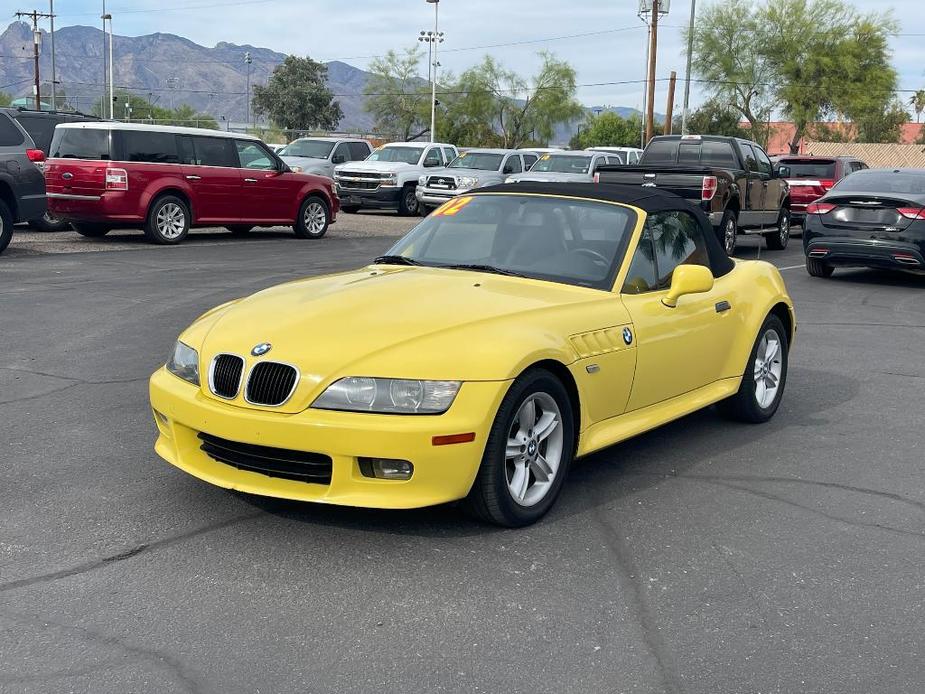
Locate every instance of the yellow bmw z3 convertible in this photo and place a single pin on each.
(513, 330)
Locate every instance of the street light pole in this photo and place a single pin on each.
(54, 94)
(436, 38)
(103, 96)
(247, 90)
(687, 76)
(112, 70)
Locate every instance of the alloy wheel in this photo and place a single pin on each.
(783, 229)
(411, 201)
(315, 218)
(729, 236)
(769, 359)
(534, 449)
(171, 220)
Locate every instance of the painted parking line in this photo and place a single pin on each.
(792, 267)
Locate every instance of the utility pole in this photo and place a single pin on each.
(36, 39)
(687, 75)
(669, 112)
(54, 74)
(103, 97)
(650, 96)
(247, 90)
(433, 38)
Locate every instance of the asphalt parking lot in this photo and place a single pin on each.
(702, 557)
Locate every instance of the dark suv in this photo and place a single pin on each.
(41, 128)
(22, 187)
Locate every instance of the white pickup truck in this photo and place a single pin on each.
(388, 178)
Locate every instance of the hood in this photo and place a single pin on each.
(551, 176)
(306, 162)
(375, 166)
(400, 322)
(480, 174)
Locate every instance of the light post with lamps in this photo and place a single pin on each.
(111, 67)
(433, 38)
(247, 89)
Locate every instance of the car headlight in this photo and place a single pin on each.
(468, 182)
(184, 363)
(388, 395)
(390, 180)
(422, 180)
(296, 169)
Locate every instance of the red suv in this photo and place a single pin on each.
(100, 176)
(812, 177)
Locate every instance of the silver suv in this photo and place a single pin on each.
(575, 166)
(319, 155)
(473, 168)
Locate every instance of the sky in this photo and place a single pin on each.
(603, 39)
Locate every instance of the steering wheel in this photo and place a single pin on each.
(593, 255)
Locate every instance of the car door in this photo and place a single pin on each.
(340, 155)
(773, 188)
(359, 151)
(433, 158)
(270, 196)
(512, 165)
(210, 167)
(683, 348)
(752, 206)
(529, 161)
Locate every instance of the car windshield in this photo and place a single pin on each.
(483, 161)
(559, 163)
(406, 155)
(558, 239)
(883, 181)
(810, 169)
(312, 149)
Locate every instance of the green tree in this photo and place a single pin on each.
(5, 98)
(714, 117)
(918, 103)
(145, 111)
(297, 97)
(608, 128)
(396, 96)
(516, 109)
(727, 56)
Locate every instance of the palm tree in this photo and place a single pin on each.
(918, 103)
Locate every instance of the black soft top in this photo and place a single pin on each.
(651, 200)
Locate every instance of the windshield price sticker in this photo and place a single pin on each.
(451, 207)
(544, 157)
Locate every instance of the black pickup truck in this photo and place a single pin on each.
(732, 180)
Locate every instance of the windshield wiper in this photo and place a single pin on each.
(395, 260)
(483, 268)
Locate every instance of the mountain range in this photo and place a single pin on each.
(171, 70)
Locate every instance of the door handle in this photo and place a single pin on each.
(250, 180)
(722, 306)
(194, 178)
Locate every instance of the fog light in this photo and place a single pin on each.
(386, 468)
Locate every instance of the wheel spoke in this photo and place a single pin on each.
(526, 418)
(546, 425)
(771, 380)
(513, 450)
(520, 481)
(541, 469)
(761, 390)
(771, 351)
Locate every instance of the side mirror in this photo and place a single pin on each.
(688, 279)
(338, 159)
(782, 171)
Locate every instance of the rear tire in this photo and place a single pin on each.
(728, 232)
(408, 202)
(525, 444)
(168, 221)
(765, 376)
(91, 230)
(817, 268)
(314, 218)
(239, 229)
(48, 222)
(777, 241)
(6, 226)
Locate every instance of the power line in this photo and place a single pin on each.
(171, 9)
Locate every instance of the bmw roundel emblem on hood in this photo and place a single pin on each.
(628, 336)
(261, 349)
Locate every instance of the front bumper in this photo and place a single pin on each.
(380, 197)
(437, 196)
(848, 252)
(441, 473)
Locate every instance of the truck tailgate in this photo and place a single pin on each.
(685, 182)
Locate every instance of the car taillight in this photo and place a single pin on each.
(708, 190)
(116, 179)
(819, 208)
(912, 212)
(827, 183)
(35, 155)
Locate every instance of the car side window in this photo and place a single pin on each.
(10, 135)
(214, 151)
(764, 164)
(748, 155)
(448, 154)
(358, 151)
(150, 147)
(512, 165)
(341, 153)
(529, 160)
(253, 156)
(677, 238)
(642, 276)
(433, 157)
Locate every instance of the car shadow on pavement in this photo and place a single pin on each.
(608, 476)
(884, 278)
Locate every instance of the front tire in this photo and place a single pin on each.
(424, 210)
(765, 376)
(817, 268)
(313, 220)
(729, 232)
(168, 221)
(528, 453)
(408, 202)
(48, 222)
(91, 230)
(6, 226)
(777, 240)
